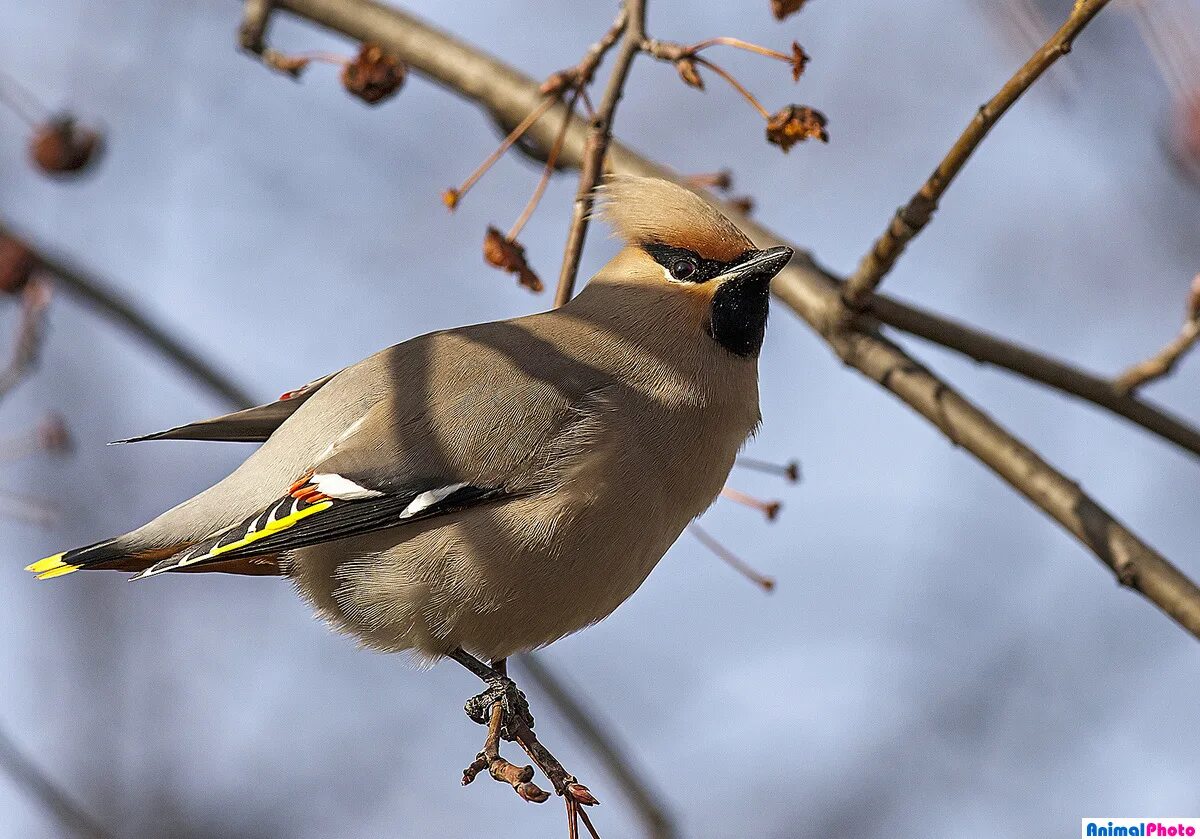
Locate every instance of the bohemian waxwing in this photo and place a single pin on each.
(486, 490)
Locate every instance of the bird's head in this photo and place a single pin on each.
(680, 246)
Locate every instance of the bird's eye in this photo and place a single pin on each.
(681, 269)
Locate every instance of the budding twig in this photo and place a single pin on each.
(911, 219)
(736, 563)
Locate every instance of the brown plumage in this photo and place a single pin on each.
(643, 210)
(495, 487)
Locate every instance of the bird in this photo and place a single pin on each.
(486, 490)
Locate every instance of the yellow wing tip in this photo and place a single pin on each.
(57, 572)
(47, 564)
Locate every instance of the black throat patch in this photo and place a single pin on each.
(739, 315)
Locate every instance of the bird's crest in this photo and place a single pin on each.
(646, 210)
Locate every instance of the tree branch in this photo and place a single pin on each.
(911, 219)
(26, 774)
(108, 302)
(615, 759)
(808, 290)
(1034, 366)
(599, 134)
(1163, 362)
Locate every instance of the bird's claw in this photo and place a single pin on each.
(514, 706)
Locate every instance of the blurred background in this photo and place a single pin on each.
(937, 659)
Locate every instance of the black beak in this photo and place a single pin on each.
(759, 266)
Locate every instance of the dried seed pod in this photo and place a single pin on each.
(509, 255)
(800, 60)
(62, 146)
(688, 72)
(374, 75)
(783, 8)
(17, 263)
(794, 124)
(1194, 300)
(450, 198)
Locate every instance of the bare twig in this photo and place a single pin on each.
(35, 297)
(547, 169)
(730, 558)
(616, 759)
(769, 509)
(520, 778)
(97, 296)
(911, 219)
(1035, 366)
(599, 135)
(21, 768)
(808, 290)
(1163, 362)
(790, 470)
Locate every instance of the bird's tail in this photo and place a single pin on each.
(112, 553)
(117, 554)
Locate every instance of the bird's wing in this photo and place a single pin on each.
(322, 508)
(253, 425)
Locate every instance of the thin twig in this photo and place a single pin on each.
(25, 773)
(739, 44)
(810, 292)
(599, 738)
(1035, 366)
(911, 219)
(730, 558)
(35, 297)
(505, 144)
(790, 470)
(769, 509)
(21, 101)
(1162, 363)
(547, 169)
(597, 147)
(735, 84)
(105, 301)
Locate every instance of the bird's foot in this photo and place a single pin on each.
(517, 725)
(514, 707)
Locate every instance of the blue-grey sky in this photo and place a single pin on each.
(938, 658)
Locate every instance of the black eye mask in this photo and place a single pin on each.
(702, 270)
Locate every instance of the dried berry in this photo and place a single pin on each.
(509, 255)
(794, 124)
(373, 75)
(63, 146)
(783, 8)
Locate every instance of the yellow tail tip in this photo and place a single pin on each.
(47, 564)
(57, 572)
